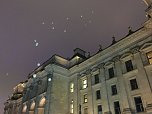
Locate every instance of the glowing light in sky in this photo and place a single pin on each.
(38, 64)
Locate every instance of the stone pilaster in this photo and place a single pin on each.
(28, 103)
(124, 103)
(79, 94)
(37, 98)
(76, 95)
(48, 94)
(144, 84)
(104, 95)
(90, 94)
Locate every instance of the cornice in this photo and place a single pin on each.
(148, 24)
(122, 44)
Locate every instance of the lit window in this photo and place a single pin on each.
(72, 87)
(71, 107)
(133, 84)
(42, 102)
(149, 56)
(32, 106)
(85, 98)
(84, 83)
(24, 108)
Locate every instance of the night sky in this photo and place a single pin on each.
(31, 31)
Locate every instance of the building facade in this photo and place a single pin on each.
(116, 80)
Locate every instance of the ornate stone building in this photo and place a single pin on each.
(115, 80)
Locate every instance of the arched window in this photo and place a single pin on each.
(32, 106)
(42, 102)
(41, 107)
(24, 109)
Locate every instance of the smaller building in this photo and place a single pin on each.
(13, 104)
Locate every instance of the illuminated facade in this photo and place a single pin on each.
(115, 80)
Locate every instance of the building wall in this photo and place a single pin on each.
(136, 52)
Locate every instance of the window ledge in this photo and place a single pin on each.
(133, 72)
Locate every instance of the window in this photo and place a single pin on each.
(114, 89)
(71, 107)
(117, 107)
(138, 104)
(84, 83)
(85, 110)
(72, 87)
(149, 56)
(24, 108)
(133, 84)
(96, 78)
(111, 72)
(79, 109)
(99, 109)
(98, 95)
(129, 66)
(42, 102)
(85, 98)
(32, 106)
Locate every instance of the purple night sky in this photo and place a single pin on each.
(31, 31)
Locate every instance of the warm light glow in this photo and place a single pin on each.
(42, 102)
(72, 87)
(24, 108)
(23, 85)
(85, 98)
(84, 83)
(77, 57)
(149, 56)
(32, 106)
(71, 107)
